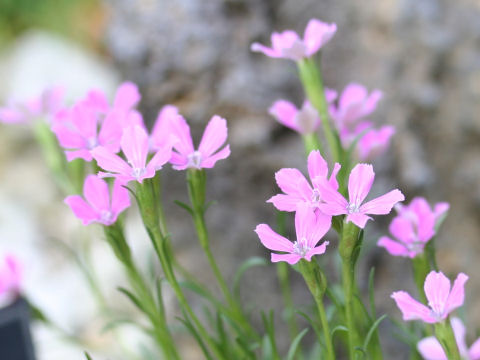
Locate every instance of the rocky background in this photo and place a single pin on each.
(423, 54)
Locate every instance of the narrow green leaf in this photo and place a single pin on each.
(371, 293)
(295, 343)
(247, 264)
(185, 206)
(200, 291)
(372, 329)
(87, 356)
(132, 298)
(312, 323)
(339, 328)
(196, 335)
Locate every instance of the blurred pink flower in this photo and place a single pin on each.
(126, 98)
(47, 104)
(77, 129)
(359, 185)
(98, 206)
(304, 120)
(441, 299)
(430, 347)
(288, 44)
(185, 156)
(296, 187)
(10, 275)
(162, 129)
(412, 228)
(310, 228)
(374, 142)
(354, 104)
(134, 144)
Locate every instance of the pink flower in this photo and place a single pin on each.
(441, 299)
(288, 45)
(412, 228)
(47, 105)
(126, 98)
(185, 156)
(77, 129)
(374, 142)
(134, 144)
(304, 120)
(98, 206)
(354, 104)
(297, 189)
(10, 275)
(430, 347)
(359, 185)
(310, 228)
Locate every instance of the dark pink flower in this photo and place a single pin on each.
(97, 205)
(442, 299)
(288, 44)
(185, 156)
(359, 185)
(310, 228)
(135, 146)
(412, 228)
(296, 187)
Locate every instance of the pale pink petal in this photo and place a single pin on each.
(111, 130)
(181, 130)
(317, 166)
(14, 269)
(333, 177)
(134, 144)
(179, 161)
(127, 96)
(161, 129)
(161, 157)
(317, 34)
(81, 209)
(359, 183)
(285, 202)
(402, 229)
(335, 203)
(120, 198)
(257, 47)
(374, 142)
(85, 121)
(67, 137)
(411, 309)
(319, 250)
(96, 193)
(292, 259)
(351, 102)
(292, 182)
(78, 154)
(214, 136)
(393, 247)
(383, 204)
(212, 159)
(430, 349)
(474, 351)
(440, 209)
(284, 112)
(460, 335)
(457, 295)
(371, 102)
(330, 95)
(437, 289)
(109, 161)
(307, 119)
(271, 240)
(358, 219)
(97, 101)
(12, 116)
(305, 221)
(284, 40)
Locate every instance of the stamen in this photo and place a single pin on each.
(195, 160)
(353, 208)
(301, 247)
(138, 172)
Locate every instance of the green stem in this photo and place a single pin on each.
(149, 212)
(421, 268)
(311, 142)
(312, 81)
(317, 284)
(116, 239)
(445, 335)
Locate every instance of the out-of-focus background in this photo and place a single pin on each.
(423, 54)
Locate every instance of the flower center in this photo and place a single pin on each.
(301, 247)
(353, 208)
(106, 216)
(315, 197)
(138, 172)
(92, 143)
(195, 159)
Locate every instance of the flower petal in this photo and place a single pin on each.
(271, 240)
(81, 209)
(292, 182)
(430, 349)
(292, 259)
(460, 334)
(393, 247)
(107, 160)
(474, 351)
(402, 229)
(181, 131)
(134, 144)
(212, 159)
(161, 130)
(284, 112)
(214, 136)
(120, 198)
(457, 295)
(358, 219)
(411, 309)
(383, 204)
(359, 183)
(285, 202)
(96, 193)
(317, 34)
(317, 166)
(127, 96)
(318, 250)
(437, 289)
(335, 203)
